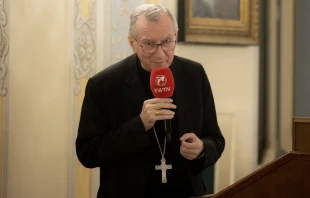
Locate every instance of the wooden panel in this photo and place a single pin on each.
(288, 176)
(301, 135)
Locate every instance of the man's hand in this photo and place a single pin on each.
(156, 109)
(191, 146)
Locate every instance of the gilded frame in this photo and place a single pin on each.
(244, 31)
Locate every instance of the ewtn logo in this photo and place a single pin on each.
(160, 81)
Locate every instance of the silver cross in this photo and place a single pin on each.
(163, 167)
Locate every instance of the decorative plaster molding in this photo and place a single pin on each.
(119, 25)
(4, 47)
(85, 43)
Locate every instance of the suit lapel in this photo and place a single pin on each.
(180, 97)
(135, 91)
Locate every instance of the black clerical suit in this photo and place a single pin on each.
(111, 134)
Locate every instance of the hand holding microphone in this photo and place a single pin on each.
(159, 108)
(156, 109)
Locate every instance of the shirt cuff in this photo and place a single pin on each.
(201, 155)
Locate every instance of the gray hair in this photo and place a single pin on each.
(151, 13)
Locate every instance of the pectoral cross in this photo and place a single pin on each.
(163, 167)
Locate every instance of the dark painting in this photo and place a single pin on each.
(221, 9)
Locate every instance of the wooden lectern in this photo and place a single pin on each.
(285, 177)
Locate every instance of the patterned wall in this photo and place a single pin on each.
(4, 47)
(85, 41)
(84, 67)
(120, 13)
(4, 50)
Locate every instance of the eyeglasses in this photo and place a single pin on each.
(150, 47)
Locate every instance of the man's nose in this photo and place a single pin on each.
(160, 52)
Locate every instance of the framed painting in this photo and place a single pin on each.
(219, 21)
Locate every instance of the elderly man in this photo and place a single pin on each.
(121, 128)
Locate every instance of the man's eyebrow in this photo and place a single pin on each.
(149, 39)
(146, 38)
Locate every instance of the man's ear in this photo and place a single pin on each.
(131, 43)
(176, 35)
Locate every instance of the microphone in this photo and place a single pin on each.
(162, 86)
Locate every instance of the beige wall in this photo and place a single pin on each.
(40, 109)
(233, 72)
(38, 105)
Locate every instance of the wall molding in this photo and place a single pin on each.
(286, 73)
(4, 47)
(84, 66)
(4, 51)
(85, 43)
(225, 168)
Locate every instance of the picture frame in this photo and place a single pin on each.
(234, 22)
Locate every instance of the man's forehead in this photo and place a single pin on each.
(151, 30)
(152, 39)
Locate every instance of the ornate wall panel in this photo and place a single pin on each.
(4, 50)
(84, 67)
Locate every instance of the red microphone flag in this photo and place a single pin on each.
(162, 82)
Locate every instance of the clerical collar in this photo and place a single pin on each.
(145, 72)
